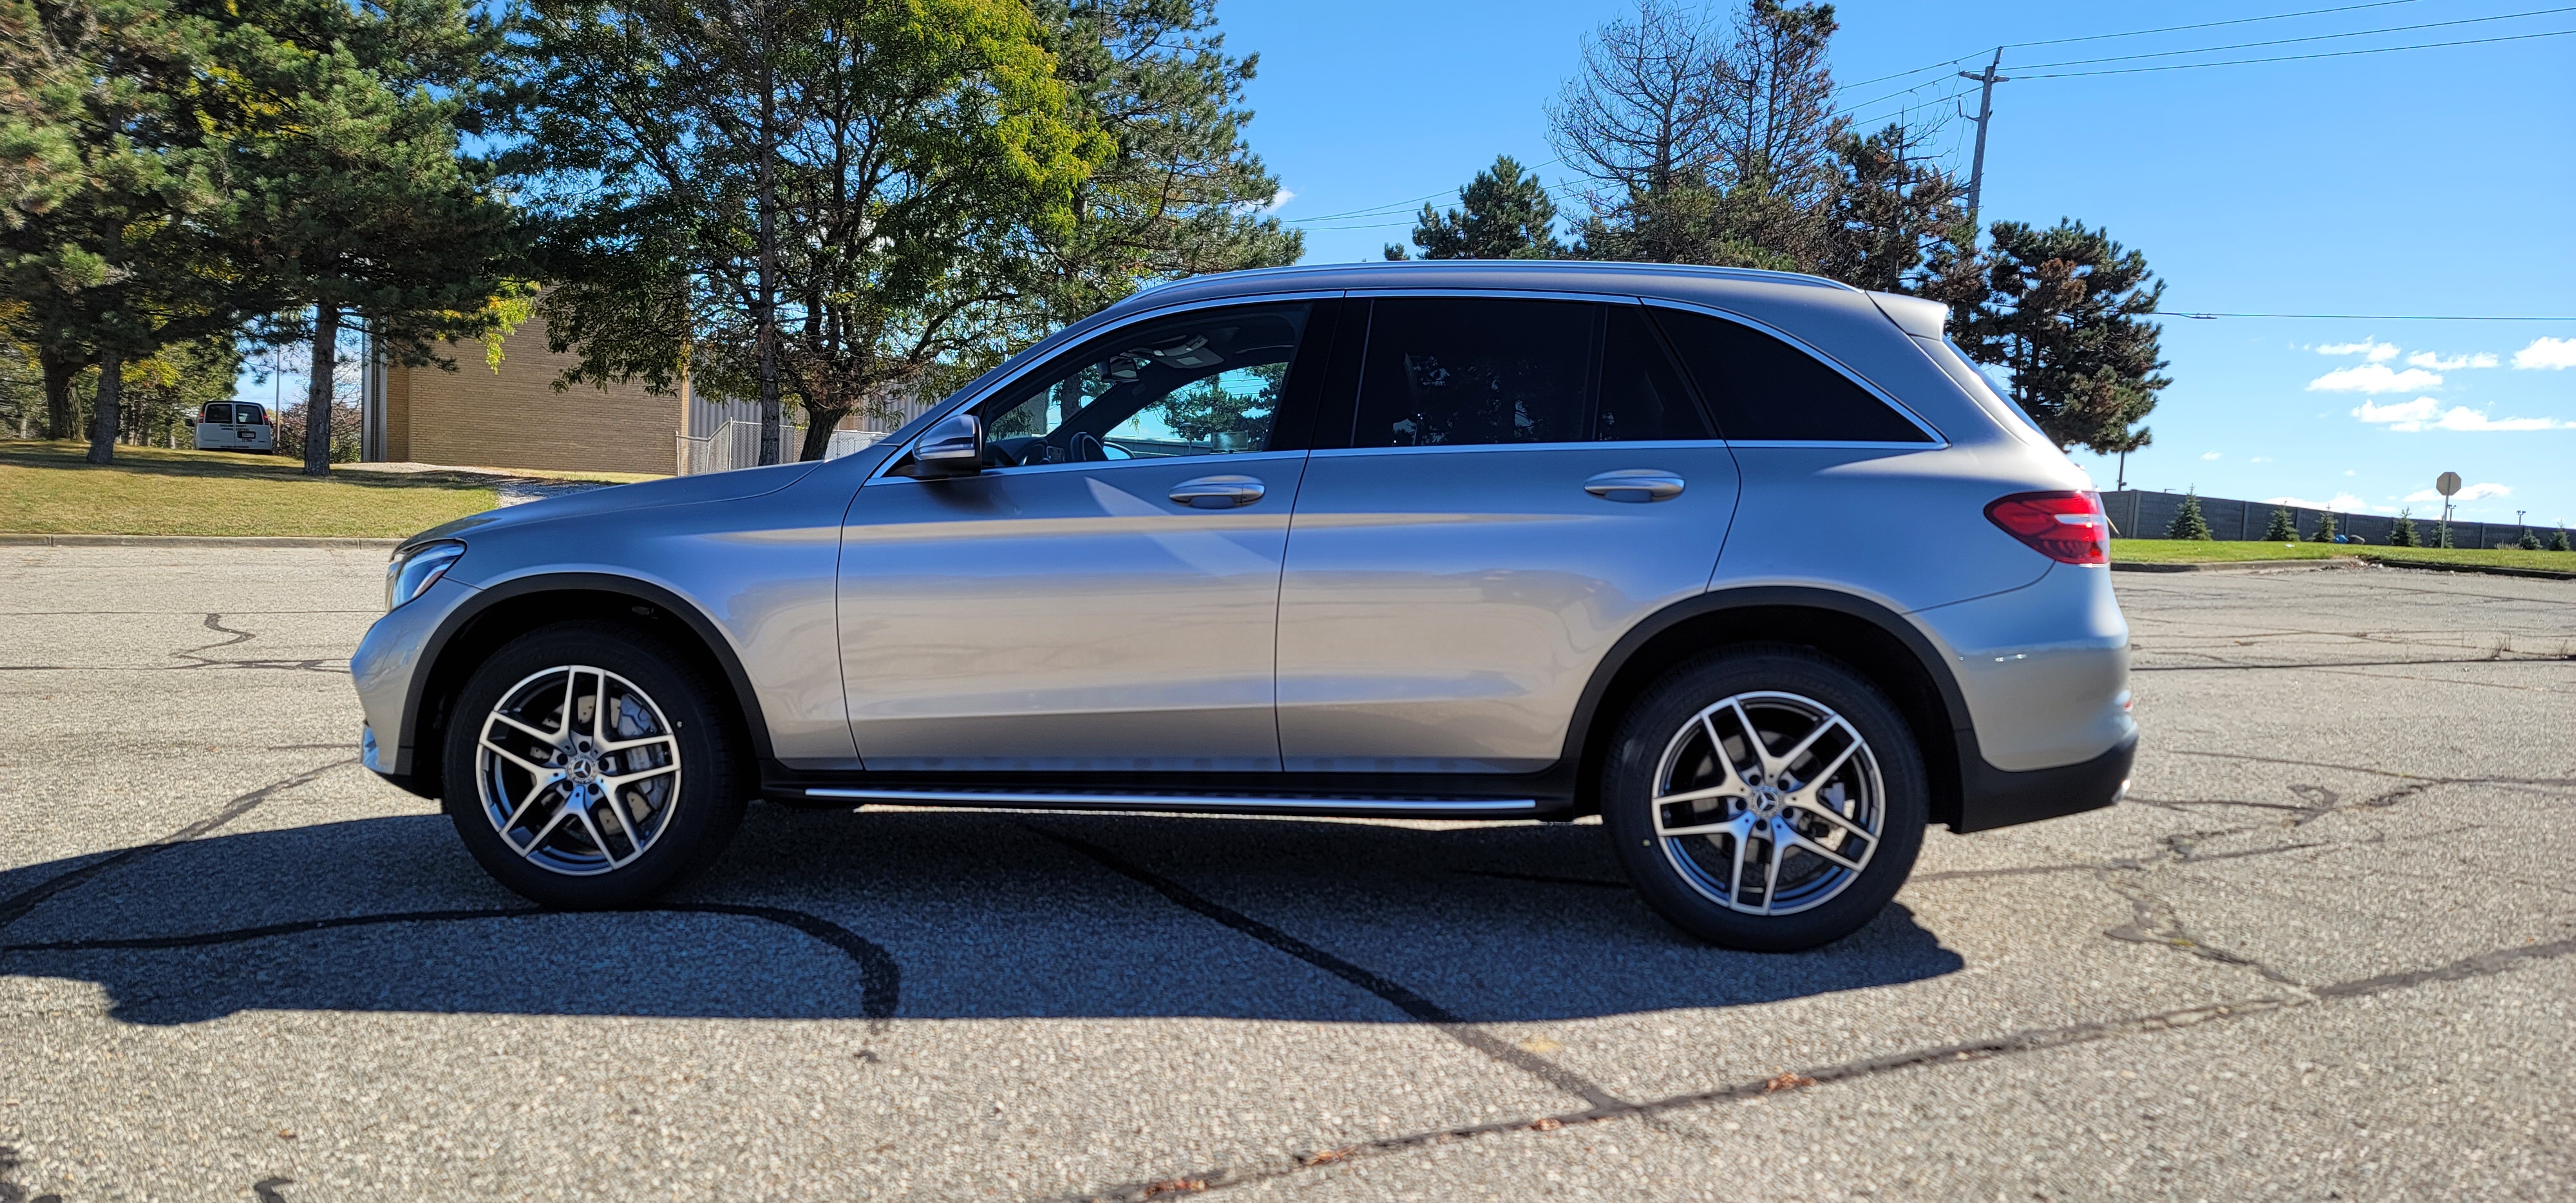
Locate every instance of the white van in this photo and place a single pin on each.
(235, 426)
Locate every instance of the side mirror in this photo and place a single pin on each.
(955, 447)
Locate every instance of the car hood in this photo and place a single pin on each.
(675, 490)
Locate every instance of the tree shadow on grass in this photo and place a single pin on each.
(216, 465)
(917, 914)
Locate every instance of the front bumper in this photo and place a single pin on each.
(1991, 797)
(385, 669)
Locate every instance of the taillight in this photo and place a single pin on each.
(2068, 527)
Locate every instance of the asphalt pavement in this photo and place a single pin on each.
(2327, 950)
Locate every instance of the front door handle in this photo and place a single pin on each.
(1218, 492)
(1635, 485)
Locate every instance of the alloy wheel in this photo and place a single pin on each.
(578, 770)
(1768, 803)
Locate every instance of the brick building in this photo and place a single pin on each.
(513, 418)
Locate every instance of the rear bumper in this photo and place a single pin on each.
(1994, 797)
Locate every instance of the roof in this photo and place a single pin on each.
(1679, 281)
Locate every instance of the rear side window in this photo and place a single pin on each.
(1764, 390)
(1454, 371)
(1641, 397)
(250, 414)
(218, 413)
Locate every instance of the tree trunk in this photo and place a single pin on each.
(111, 391)
(317, 395)
(819, 425)
(58, 393)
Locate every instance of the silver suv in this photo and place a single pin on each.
(1754, 566)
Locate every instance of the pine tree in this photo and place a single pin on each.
(2187, 523)
(2558, 542)
(2284, 528)
(357, 203)
(2325, 529)
(2442, 534)
(2528, 542)
(1507, 215)
(2067, 311)
(2402, 533)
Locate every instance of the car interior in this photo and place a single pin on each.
(1207, 386)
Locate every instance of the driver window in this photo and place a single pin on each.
(1203, 384)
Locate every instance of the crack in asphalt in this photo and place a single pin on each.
(214, 622)
(1404, 999)
(2014, 1043)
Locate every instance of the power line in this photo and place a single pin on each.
(2292, 58)
(2133, 33)
(2320, 37)
(2372, 317)
(1391, 207)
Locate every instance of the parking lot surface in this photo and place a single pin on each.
(2326, 950)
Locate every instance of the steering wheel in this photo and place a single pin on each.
(1084, 448)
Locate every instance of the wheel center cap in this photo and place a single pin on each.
(582, 769)
(1766, 801)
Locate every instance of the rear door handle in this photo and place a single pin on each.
(1635, 485)
(1218, 492)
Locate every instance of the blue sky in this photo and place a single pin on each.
(2431, 181)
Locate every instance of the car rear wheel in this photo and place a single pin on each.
(588, 766)
(1765, 798)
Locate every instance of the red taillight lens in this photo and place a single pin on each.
(2068, 527)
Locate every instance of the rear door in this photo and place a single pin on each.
(1511, 483)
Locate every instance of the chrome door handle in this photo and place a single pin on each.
(1218, 492)
(1635, 485)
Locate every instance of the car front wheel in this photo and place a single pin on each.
(587, 766)
(1765, 798)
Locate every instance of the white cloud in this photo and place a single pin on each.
(2374, 378)
(2342, 503)
(2425, 413)
(2209, 455)
(2260, 459)
(2475, 492)
(2376, 352)
(2547, 353)
(2451, 363)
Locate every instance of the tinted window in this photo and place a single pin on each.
(1764, 389)
(218, 413)
(1448, 371)
(1641, 397)
(1207, 384)
(250, 414)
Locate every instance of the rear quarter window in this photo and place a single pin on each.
(1762, 389)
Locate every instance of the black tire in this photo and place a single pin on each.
(1684, 895)
(704, 810)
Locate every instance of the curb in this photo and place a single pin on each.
(2232, 565)
(2484, 569)
(2356, 560)
(192, 541)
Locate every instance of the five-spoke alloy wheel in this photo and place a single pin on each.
(1765, 798)
(586, 768)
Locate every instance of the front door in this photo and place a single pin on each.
(1104, 594)
(1522, 481)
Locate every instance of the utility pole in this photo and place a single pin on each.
(1985, 110)
(770, 418)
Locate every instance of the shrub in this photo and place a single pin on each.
(2442, 535)
(2284, 528)
(2402, 534)
(2325, 529)
(2558, 542)
(2528, 542)
(2187, 523)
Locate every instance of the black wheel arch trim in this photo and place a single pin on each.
(1945, 684)
(416, 696)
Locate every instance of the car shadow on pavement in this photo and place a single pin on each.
(922, 914)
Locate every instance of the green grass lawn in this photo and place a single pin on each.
(2181, 551)
(47, 488)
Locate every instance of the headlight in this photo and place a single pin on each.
(415, 568)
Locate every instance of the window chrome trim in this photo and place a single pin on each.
(1939, 441)
(1043, 352)
(1023, 471)
(1641, 446)
(1499, 294)
(1135, 801)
